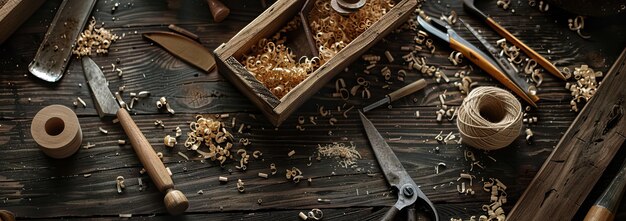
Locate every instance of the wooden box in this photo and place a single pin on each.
(272, 20)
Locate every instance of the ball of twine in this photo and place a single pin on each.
(490, 118)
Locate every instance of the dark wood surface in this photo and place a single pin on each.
(35, 186)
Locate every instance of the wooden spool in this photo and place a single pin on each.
(56, 130)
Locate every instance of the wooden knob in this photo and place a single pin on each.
(175, 202)
(218, 10)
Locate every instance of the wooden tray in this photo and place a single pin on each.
(269, 22)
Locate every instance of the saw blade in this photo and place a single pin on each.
(54, 52)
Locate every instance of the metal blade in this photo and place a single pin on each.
(389, 162)
(184, 48)
(54, 52)
(376, 104)
(104, 99)
(502, 61)
(433, 30)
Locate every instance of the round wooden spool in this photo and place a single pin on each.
(56, 130)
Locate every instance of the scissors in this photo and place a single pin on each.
(396, 175)
(444, 32)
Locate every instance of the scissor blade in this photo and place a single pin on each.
(433, 30)
(104, 99)
(390, 164)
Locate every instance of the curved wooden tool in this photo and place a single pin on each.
(605, 207)
(218, 10)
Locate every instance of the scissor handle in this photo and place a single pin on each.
(391, 214)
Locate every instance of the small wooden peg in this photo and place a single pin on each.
(218, 10)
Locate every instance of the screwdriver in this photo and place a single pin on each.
(400, 93)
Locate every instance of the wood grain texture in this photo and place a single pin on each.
(13, 13)
(35, 186)
(583, 153)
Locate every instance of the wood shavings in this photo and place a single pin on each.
(274, 64)
(159, 123)
(504, 4)
(183, 155)
(291, 153)
(125, 215)
(119, 183)
(169, 172)
(529, 135)
(87, 175)
(441, 164)
(347, 155)
(89, 145)
(294, 174)
(102, 130)
(389, 57)
(82, 102)
(213, 135)
(169, 141)
(240, 186)
(585, 86)
(263, 175)
(223, 179)
(92, 38)
(273, 169)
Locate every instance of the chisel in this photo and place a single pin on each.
(400, 93)
(605, 207)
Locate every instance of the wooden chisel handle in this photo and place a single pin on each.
(605, 207)
(218, 10)
(406, 90)
(529, 51)
(175, 201)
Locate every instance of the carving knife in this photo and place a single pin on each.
(397, 94)
(175, 201)
(184, 48)
(54, 52)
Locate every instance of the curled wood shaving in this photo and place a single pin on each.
(347, 155)
(92, 38)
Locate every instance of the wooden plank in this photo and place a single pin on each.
(563, 182)
(13, 13)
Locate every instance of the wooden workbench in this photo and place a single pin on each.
(35, 186)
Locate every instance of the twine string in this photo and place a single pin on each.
(490, 118)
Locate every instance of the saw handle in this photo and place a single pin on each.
(175, 201)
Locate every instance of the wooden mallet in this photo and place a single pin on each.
(218, 10)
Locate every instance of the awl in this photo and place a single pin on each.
(400, 93)
(175, 201)
(54, 52)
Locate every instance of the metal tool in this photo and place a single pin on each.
(396, 175)
(184, 48)
(469, 5)
(503, 63)
(444, 32)
(400, 93)
(175, 201)
(606, 206)
(54, 52)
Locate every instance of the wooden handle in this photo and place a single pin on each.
(529, 51)
(406, 90)
(599, 213)
(390, 214)
(493, 71)
(218, 10)
(175, 200)
(6, 215)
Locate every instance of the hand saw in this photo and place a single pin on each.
(54, 52)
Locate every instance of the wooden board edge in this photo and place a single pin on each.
(245, 82)
(297, 96)
(14, 13)
(266, 24)
(522, 209)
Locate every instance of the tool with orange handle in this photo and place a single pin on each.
(469, 5)
(442, 31)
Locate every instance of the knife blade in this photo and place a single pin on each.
(54, 52)
(184, 48)
(104, 100)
